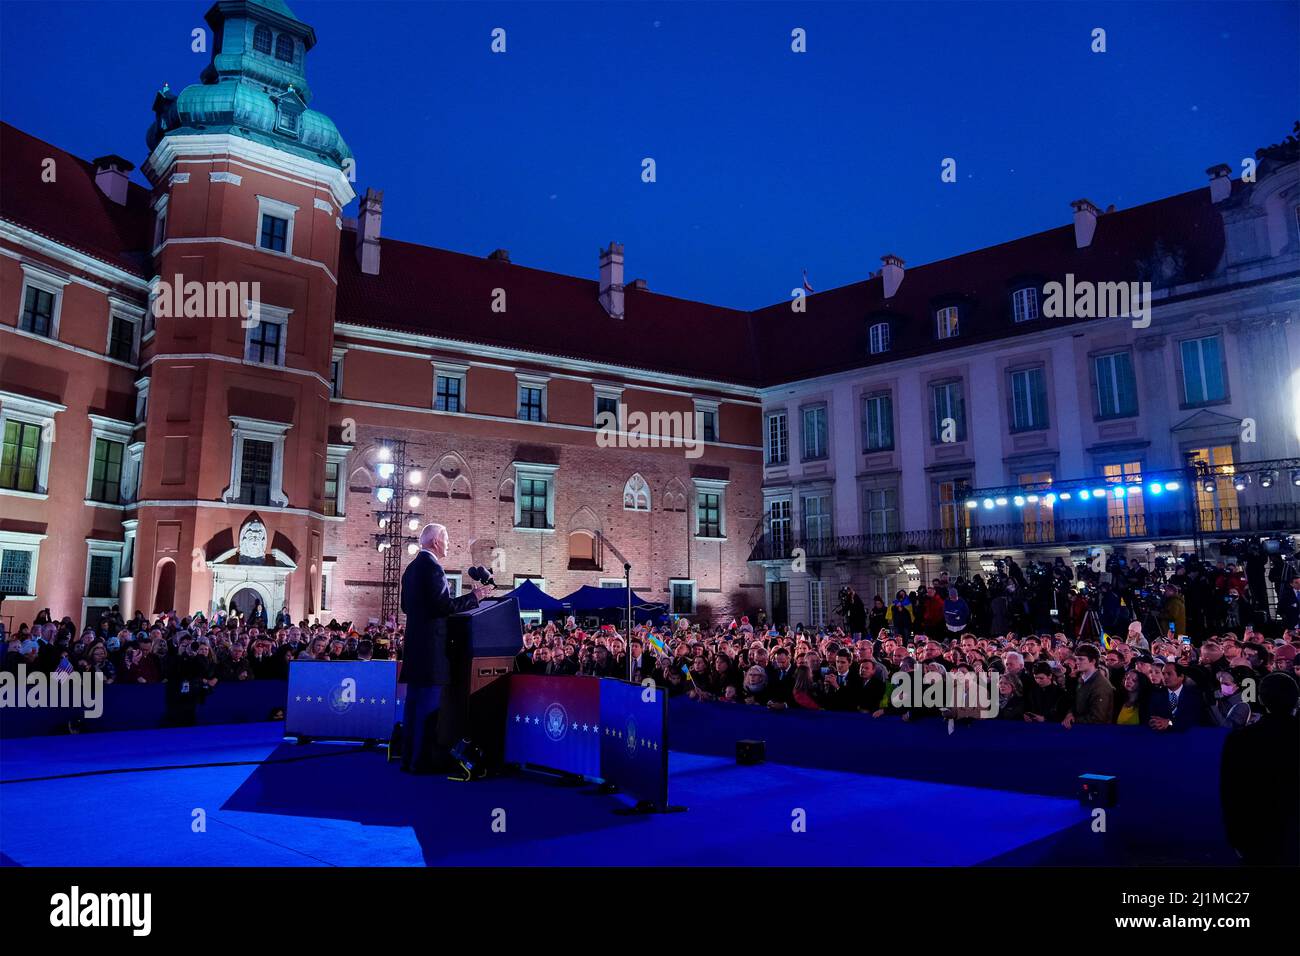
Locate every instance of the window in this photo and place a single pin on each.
(814, 433)
(106, 471)
(283, 47)
(954, 517)
(336, 375)
(946, 322)
(1203, 371)
(101, 576)
(331, 492)
(880, 511)
(264, 343)
(879, 335)
(817, 522)
(706, 422)
(448, 395)
(1218, 506)
(141, 400)
(778, 524)
(710, 508)
(683, 596)
(1039, 522)
(877, 422)
(532, 503)
(1116, 386)
(18, 553)
(531, 407)
(262, 39)
(1028, 400)
(121, 339)
(1125, 511)
(20, 456)
(949, 421)
(275, 224)
(816, 602)
(606, 411)
(708, 514)
(38, 311)
(1024, 304)
(160, 221)
(636, 494)
(778, 437)
(255, 472)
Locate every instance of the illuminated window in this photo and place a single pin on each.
(1219, 507)
(1126, 512)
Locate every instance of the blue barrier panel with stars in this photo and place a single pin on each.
(343, 700)
(554, 722)
(633, 739)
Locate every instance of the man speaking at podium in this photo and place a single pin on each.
(426, 669)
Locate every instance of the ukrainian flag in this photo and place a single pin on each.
(656, 642)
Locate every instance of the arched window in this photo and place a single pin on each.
(636, 494)
(262, 39)
(880, 338)
(284, 48)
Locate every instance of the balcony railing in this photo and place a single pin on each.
(1062, 532)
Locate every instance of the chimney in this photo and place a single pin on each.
(372, 211)
(891, 273)
(112, 174)
(1085, 222)
(499, 255)
(611, 279)
(639, 284)
(1220, 182)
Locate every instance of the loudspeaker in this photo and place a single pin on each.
(750, 752)
(1098, 790)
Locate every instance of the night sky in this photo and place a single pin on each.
(768, 161)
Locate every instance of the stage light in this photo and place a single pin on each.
(1119, 492)
(384, 453)
(384, 495)
(413, 501)
(415, 477)
(1154, 488)
(1172, 486)
(1032, 499)
(1266, 478)
(414, 524)
(1065, 496)
(1099, 492)
(972, 503)
(1001, 502)
(386, 470)
(383, 523)
(1018, 501)
(988, 502)
(1240, 482)
(1207, 486)
(1084, 495)
(1049, 500)
(381, 546)
(1295, 477)
(412, 548)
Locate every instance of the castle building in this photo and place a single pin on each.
(200, 381)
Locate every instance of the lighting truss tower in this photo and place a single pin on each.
(395, 512)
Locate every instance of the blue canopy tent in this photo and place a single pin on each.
(611, 603)
(533, 598)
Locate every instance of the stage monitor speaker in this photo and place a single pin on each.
(750, 752)
(1098, 790)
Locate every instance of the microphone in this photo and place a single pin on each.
(481, 574)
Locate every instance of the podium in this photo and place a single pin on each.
(482, 645)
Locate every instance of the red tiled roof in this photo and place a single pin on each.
(71, 209)
(449, 294)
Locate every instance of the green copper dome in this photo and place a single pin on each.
(255, 87)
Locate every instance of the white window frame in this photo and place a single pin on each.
(704, 406)
(816, 602)
(454, 582)
(1200, 368)
(695, 592)
(134, 314)
(787, 500)
(160, 221)
(47, 281)
(114, 430)
(612, 582)
(266, 206)
(23, 541)
(1023, 302)
(947, 322)
(131, 478)
(533, 470)
(711, 486)
(606, 391)
(33, 411)
(102, 549)
(867, 399)
(326, 597)
(824, 452)
(260, 313)
(338, 455)
(450, 370)
(336, 379)
(825, 519)
(130, 528)
(769, 457)
(1039, 417)
(636, 493)
(880, 338)
(141, 399)
(243, 428)
(539, 382)
(869, 509)
(1109, 360)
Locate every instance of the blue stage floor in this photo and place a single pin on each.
(335, 805)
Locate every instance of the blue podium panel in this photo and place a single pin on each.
(554, 722)
(345, 700)
(634, 739)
